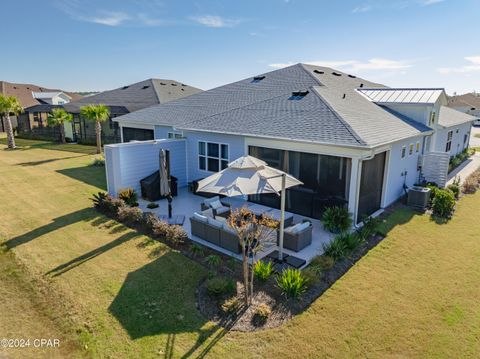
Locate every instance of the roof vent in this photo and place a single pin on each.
(125, 87)
(182, 89)
(258, 78)
(352, 76)
(472, 109)
(162, 83)
(173, 84)
(145, 87)
(361, 85)
(344, 95)
(298, 95)
(319, 72)
(336, 74)
(15, 87)
(183, 85)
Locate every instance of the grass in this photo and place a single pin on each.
(25, 144)
(113, 293)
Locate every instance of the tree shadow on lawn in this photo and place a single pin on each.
(160, 298)
(91, 175)
(28, 144)
(85, 214)
(41, 162)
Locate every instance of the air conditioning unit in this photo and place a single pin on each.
(418, 197)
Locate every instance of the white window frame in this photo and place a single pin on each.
(411, 149)
(431, 120)
(403, 152)
(219, 158)
(417, 147)
(448, 145)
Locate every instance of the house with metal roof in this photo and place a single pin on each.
(350, 141)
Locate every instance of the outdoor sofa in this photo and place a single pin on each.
(298, 236)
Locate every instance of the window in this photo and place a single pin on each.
(448, 147)
(175, 135)
(465, 138)
(410, 149)
(432, 118)
(212, 156)
(417, 149)
(404, 151)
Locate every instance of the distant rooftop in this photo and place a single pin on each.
(402, 95)
(43, 95)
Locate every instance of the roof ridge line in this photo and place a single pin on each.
(311, 75)
(342, 120)
(157, 95)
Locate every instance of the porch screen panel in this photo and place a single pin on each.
(371, 186)
(137, 134)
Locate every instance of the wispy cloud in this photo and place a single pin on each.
(89, 13)
(473, 65)
(430, 2)
(215, 21)
(374, 64)
(362, 8)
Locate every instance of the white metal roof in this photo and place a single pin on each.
(401, 95)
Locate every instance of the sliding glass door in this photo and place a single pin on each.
(325, 180)
(371, 186)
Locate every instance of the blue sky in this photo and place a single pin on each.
(97, 45)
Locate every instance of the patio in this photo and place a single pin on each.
(186, 203)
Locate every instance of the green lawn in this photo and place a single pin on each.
(108, 293)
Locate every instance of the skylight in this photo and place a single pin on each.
(258, 78)
(298, 95)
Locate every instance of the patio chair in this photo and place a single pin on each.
(219, 208)
(298, 236)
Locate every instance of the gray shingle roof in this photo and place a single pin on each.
(448, 117)
(264, 108)
(137, 96)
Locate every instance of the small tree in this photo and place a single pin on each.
(9, 105)
(98, 114)
(253, 233)
(58, 117)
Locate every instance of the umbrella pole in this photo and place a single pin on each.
(282, 218)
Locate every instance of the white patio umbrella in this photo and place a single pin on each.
(249, 175)
(164, 180)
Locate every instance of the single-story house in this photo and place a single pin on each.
(122, 101)
(467, 103)
(350, 141)
(30, 96)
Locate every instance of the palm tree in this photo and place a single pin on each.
(98, 114)
(9, 105)
(58, 117)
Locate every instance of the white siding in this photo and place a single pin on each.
(400, 170)
(458, 144)
(127, 163)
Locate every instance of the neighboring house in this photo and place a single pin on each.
(30, 96)
(350, 141)
(467, 103)
(122, 101)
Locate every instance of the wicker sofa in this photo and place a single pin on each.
(215, 231)
(223, 210)
(297, 240)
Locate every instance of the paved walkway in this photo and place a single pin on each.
(465, 169)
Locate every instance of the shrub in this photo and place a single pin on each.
(99, 199)
(98, 161)
(220, 286)
(160, 229)
(335, 249)
(369, 227)
(292, 282)
(129, 195)
(469, 186)
(263, 270)
(262, 312)
(312, 273)
(443, 203)
(152, 205)
(336, 219)
(130, 215)
(324, 262)
(231, 305)
(175, 235)
(433, 191)
(196, 249)
(455, 189)
(149, 220)
(213, 260)
(351, 240)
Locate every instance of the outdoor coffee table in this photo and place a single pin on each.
(178, 219)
